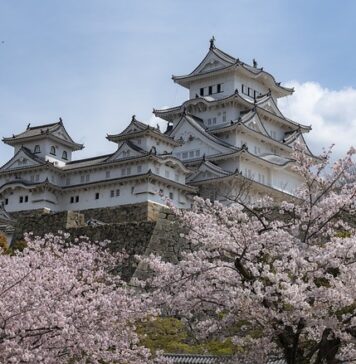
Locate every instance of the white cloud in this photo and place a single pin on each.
(332, 115)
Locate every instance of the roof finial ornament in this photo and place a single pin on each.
(212, 42)
(157, 127)
(60, 120)
(133, 118)
(254, 63)
(28, 126)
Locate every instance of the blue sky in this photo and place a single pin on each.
(95, 63)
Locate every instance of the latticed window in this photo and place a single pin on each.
(53, 150)
(64, 155)
(37, 149)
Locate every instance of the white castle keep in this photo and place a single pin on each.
(228, 135)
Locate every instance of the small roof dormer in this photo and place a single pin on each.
(137, 129)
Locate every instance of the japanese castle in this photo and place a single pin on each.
(229, 135)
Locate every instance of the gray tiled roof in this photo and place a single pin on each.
(39, 130)
(211, 359)
(197, 359)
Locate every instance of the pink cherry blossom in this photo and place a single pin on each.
(278, 280)
(61, 303)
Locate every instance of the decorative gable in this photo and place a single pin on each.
(211, 62)
(126, 150)
(21, 159)
(256, 124)
(271, 106)
(195, 141)
(61, 133)
(206, 171)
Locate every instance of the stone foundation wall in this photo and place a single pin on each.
(146, 211)
(142, 229)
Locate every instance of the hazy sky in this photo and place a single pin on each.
(95, 63)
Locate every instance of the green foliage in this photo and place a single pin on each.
(171, 336)
(343, 234)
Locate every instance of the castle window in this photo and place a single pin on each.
(112, 193)
(72, 199)
(171, 195)
(197, 153)
(191, 154)
(123, 172)
(132, 190)
(26, 198)
(87, 178)
(185, 155)
(128, 170)
(21, 199)
(37, 177)
(107, 174)
(82, 178)
(210, 90)
(117, 192)
(224, 117)
(67, 181)
(202, 91)
(139, 141)
(53, 150)
(6, 201)
(243, 88)
(139, 169)
(65, 155)
(218, 88)
(37, 149)
(76, 198)
(97, 195)
(214, 120)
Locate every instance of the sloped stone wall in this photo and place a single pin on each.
(146, 229)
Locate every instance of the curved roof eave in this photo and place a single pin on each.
(180, 109)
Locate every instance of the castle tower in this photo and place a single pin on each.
(231, 130)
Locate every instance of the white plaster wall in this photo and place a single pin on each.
(226, 81)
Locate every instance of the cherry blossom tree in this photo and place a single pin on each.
(61, 303)
(276, 279)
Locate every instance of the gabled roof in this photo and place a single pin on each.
(137, 129)
(198, 125)
(26, 152)
(298, 137)
(209, 168)
(216, 61)
(54, 131)
(127, 144)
